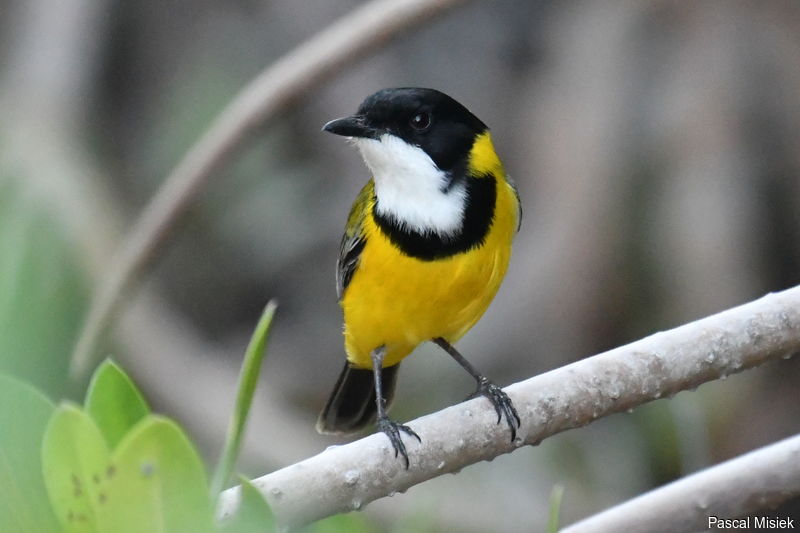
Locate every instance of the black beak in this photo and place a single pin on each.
(354, 126)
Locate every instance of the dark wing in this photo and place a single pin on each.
(348, 261)
(513, 185)
(353, 240)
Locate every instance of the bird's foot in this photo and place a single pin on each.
(501, 402)
(392, 430)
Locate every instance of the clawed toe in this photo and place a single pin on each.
(392, 430)
(502, 404)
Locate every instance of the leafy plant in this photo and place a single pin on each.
(111, 465)
(42, 290)
(24, 413)
(555, 508)
(115, 466)
(253, 513)
(248, 380)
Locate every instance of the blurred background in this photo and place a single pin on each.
(656, 146)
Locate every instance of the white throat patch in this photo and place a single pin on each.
(408, 185)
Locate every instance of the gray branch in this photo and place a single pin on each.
(763, 478)
(348, 477)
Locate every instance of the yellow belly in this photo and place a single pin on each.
(398, 301)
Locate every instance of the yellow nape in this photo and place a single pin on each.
(483, 159)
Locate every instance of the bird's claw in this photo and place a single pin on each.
(502, 404)
(392, 430)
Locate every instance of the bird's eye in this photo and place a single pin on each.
(421, 121)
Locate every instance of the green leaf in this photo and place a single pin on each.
(159, 483)
(43, 292)
(114, 402)
(75, 462)
(555, 508)
(253, 515)
(248, 379)
(24, 412)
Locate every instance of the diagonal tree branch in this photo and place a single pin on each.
(274, 90)
(347, 477)
(763, 478)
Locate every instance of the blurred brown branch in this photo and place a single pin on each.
(358, 33)
(763, 478)
(348, 477)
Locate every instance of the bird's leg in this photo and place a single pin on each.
(391, 428)
(500, 400)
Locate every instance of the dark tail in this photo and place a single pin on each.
(352, 402)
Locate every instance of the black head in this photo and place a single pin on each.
(426, 118)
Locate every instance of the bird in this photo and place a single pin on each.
(425, 248)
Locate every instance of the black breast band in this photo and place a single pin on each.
(477, 220)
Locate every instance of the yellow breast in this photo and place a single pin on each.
(398, 301)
